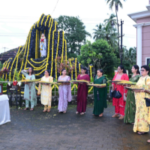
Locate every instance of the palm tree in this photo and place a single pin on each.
(130, 55)
(98, 32)
(116, 4)
(111, 20)
(107, 33)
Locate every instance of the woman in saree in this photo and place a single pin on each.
(64, 92)
(46, 92)
(130, 101)
(82, 92)
(100, 94)
(119, 103)
(142, 116)
(29, 89)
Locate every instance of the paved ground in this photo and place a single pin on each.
(53, 131)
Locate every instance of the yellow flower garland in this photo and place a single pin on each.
(75, 68)
(65, 49)
(62, 55)
(38, 62)
(79, 67)
(72, 70)
(52, 54)
(56, 68)
(57, 44)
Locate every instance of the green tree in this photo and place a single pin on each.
(129, 58)
(1, 65)
(116, 4)
(100, 55)
(111, 21)
(75, 33)
(106, 32)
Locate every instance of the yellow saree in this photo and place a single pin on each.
(142, 116)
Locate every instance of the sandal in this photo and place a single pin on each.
(44, 111)
(115, 116)
(121, 118)
(77, 112)
(101, 115)
(148, 141)
(141, 133)
(82, 113)
(48, 110)
(26, 109)
(64, 112)
(31, 109)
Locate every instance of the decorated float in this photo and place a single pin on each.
(45, 44)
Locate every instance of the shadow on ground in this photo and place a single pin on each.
(52, 131)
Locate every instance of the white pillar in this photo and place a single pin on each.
(139, 45)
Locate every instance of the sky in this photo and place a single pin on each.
(17, 17)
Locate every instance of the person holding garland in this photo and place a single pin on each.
(120, 102)
(64, 92)
(46, 91)
(130, 101)
(142, 116)
(100, 94)
(82, 92)
(29, 89)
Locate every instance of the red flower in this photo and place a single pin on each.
(15, 83)
(42, 40)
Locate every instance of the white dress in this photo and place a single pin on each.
(43, 48)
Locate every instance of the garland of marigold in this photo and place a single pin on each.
(13, 64)
(18, 53)
(71, 70)
(65, 49)
(38, 62)
(79, 67)
(62, 47)
(47, 19)
(36, 45)
(75, 68)
(39, 21)
(52, 50)
(56, 68)
(49, 24)
(49, 37)
(91, 71)
(57, 44)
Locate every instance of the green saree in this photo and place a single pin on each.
(100, 96)
(130, 103)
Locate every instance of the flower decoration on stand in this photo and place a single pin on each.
(64, 64)
(5, 70)
(17, 77)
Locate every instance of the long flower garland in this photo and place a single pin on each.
(72, 70)
(56, 68)
(65, 49)
(91, 71)
(42, 20)
(75, 68)
(38, 62)
(52, 54)
(39, 20)
(62, 55)
(47, 20)
(13, 64)
(36, 44)
(79, 67)
(57, 44)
